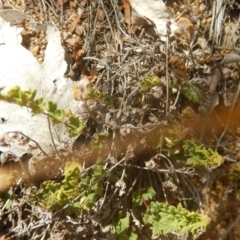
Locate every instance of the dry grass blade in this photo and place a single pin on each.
(217, 23)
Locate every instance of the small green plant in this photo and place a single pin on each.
(100, 140)
(148, 82)
(55, 195)
(99, 97)
(174, 139)
(121, 229)
(24, 98)
(192, 93)
(143, 195)
(95, 180)
(198, 155)
(76, 126)
(37, 105)
(170, 139)
(57, 115)
(165, 219)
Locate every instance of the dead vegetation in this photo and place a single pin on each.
(149, 93)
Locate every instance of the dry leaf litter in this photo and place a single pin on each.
(112, 48)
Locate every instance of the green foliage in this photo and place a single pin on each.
(171, 140)
(144, 194)
(54, 196)
(27, 99)
(192, 93)
(75, 193)
(133, 236)
(174, 138)
(96, 183)
(24, 98)
(122, 227)
(92, 186)
(234, 174)
(99, 97)
(198, 155)
(76, 126)
(56, 114)
(165, 219)
(100, 139)
(148, 82)
(93, 93)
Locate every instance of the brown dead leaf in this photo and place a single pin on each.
(179, 69)
(84, 3)
(214, 101)
(205, 23)
(93, 75)
(100, 15)
(61, 2)
(78, 52)
(80, 90)
(74, 24)
(185, 32)
(211, 58)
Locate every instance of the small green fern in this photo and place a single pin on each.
(144, 194)
(198, 155)
(165, 219)
(122, 227)
(55, 195)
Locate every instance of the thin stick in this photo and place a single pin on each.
(167, 77)
(229, 229)
(51, 135)
(19, 132)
